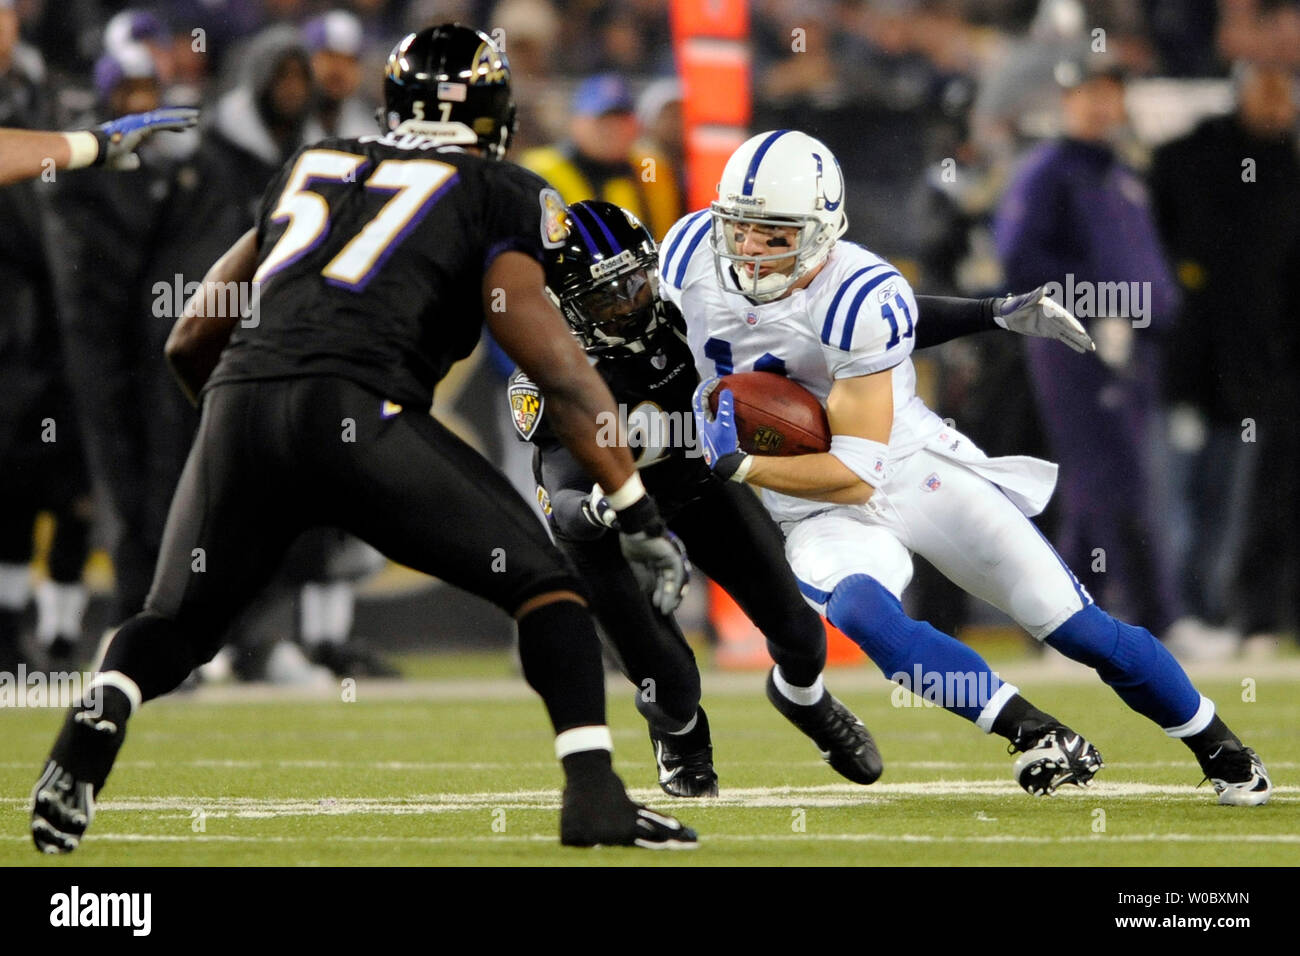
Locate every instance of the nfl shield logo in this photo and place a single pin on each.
(932, 483)
(659, 361)
(751, 318)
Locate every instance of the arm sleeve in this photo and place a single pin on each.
(870, 325)
(524, 214)
(944, 318)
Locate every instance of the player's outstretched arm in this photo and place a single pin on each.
(860, 411)
(25, 154)
(943, 318)
(197, 338)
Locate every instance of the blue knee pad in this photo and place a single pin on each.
(874, 620)
(1132, 661)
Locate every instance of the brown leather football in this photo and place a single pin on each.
(775, 416)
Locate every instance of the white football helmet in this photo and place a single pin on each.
(778, 178)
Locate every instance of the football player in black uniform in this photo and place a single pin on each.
(379, 259)
(605, 280)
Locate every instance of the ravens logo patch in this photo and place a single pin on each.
(525, 406)
(555, 229)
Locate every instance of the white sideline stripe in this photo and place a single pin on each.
(1097, 838)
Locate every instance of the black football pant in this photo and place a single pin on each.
(273, 458)
(731, 538)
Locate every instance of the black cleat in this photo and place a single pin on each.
(1054, 755)
(62, 809)
(63, 800)
(1237, 773)
(844, 741)
(685, 761)
(602, 814)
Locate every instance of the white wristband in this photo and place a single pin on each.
(867, 459)
(84, 148)
(631, 492)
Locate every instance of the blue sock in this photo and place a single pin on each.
(926, 661)
(1133, 662)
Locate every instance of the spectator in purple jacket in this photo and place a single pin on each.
(1077, 216)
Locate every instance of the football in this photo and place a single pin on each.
(775, 416)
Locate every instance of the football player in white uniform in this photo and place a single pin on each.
(766, 282)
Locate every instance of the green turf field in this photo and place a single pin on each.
(457, 769)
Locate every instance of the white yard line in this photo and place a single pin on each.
(1286, 838)
(419, 765)
(829, 796)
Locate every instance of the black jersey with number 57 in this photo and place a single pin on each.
(371, 256)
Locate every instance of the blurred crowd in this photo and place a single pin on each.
(988, 145)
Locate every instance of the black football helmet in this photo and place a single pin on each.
(605, 279)
(452, 84)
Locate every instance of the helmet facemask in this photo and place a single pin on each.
(617, 313)
(769, 276)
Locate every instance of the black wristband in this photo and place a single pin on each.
(641, 515)
(103, 140)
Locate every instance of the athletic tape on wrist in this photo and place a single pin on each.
(867, 459)
(83, 147)
(742, 470)
(577, 739)
(631, 492)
